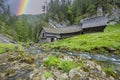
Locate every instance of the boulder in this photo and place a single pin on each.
(74, 74)
(50, 78)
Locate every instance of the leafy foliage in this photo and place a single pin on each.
(64, 65)
(20, 28)
(51, 61)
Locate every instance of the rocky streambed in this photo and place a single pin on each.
(33, 64)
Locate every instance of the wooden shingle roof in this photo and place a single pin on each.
(63, 30)
(95, 22)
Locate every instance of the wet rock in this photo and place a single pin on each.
(43, 78)
(73, 72)
(76, 77)
(2, 75)
(111, 78)
(90, 79)
(50, 78)
(103, 74)
(10, 72)
(90, 64)
(64, 76)
(110, 49)
(98, 67)
(33, 73)
(68, 58)
(57, 74)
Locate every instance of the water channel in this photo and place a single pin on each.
(109, 60)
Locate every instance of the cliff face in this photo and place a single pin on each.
(113, 16)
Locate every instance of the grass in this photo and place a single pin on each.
(51, 61)
(109, 38)
(4, 47)
(7, 47)
(47, 74)
(110, 71)
(64, 65)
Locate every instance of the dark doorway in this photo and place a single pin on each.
(82, 32)
(43, 35)
(52, 39)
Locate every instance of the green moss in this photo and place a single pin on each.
(66, 65)
(28, 59)
(22, 57)
(110, 71)
(10, 71)
(5, 47)
(86, 69)
(51, 61)
(47, 74)
(80, 63)
(109, 38)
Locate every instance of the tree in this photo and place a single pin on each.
(21, 30)
(66, 10)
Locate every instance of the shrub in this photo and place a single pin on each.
(66, 65)
(51, 61)
(60, 64)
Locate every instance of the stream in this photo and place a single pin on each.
(113, 59)
(23, 70)
(109, 60)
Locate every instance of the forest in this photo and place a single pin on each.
(73, 11)
(25, 28)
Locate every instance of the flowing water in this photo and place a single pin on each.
(113, 59)
(110, 60)
(36, 52)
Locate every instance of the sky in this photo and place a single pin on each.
(33, 7)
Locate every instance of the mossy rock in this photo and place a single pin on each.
(86, 69)
(10, 72)
(28, 60)
(22, 57)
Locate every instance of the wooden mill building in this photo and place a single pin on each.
(96, 24)
(56, 32)
(51, 34)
